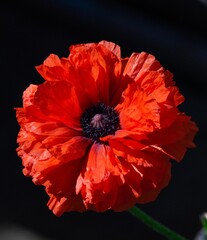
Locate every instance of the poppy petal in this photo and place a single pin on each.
(102, 64)
(140, 63)
(177, 139)
(60, 102)
(112, 47)
(54, 68)
(139, 112)
(62, 189)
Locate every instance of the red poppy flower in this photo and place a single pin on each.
(100, 132)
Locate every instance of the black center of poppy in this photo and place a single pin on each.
(99, 121)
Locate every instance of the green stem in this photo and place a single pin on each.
(203, 219)
(156, 226)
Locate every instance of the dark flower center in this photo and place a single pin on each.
(99, 121)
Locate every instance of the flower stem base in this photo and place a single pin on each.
(156, 226)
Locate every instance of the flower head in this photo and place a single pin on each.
(100, 131)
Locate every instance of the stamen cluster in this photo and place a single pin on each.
(99, 121)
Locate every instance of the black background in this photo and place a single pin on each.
(175, 32)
